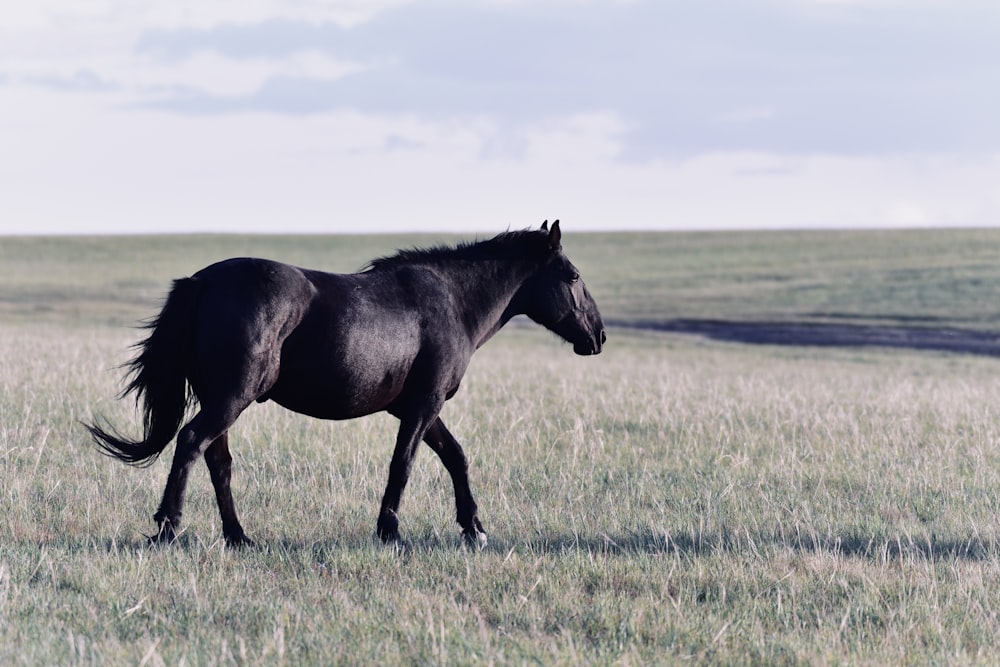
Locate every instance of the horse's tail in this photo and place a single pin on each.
(159, 379)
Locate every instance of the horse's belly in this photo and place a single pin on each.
(338, 396)
(346, 362)
(341, 384)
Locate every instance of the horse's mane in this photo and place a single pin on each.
(519, 244)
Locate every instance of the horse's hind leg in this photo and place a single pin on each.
(440, 439)
(192, 441)
(220, 465)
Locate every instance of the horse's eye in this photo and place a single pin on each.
(572, 276)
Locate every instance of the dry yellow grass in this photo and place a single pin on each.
(672, 500)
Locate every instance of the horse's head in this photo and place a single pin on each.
(556, 298)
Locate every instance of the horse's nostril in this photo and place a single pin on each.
(604, 338)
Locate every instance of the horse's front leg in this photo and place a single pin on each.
(411, 430)
(440, 439)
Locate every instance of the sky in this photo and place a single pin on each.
(344, 116)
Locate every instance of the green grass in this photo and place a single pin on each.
(929, 277)
(923, 277)
(672, 500)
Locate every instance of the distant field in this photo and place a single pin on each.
(922, 278)
(675, 499)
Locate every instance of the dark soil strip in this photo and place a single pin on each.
(830, 335)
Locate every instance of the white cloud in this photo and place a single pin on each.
(119, 169)
(203, 73)
(48, 13)
(210, 13)
(61, 14)
(219, 75)
(484, 115)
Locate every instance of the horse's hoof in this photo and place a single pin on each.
(395, 545)
(164, 536)
(387, 528)
(475, 539)
(240, 541)
(388, 536)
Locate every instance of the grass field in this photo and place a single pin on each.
(673, 500)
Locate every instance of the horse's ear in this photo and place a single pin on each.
(555, 237)
(545, 226)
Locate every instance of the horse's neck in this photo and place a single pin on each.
(488, 296)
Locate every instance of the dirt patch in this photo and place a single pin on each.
(830, 334)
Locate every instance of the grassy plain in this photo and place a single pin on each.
(672, 500)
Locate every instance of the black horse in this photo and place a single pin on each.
(396, 337)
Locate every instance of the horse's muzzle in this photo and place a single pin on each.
(593, 346)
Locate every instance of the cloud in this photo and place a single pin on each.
(80, 80)
(803, 77)
(90, 167)
(208, 75)
(44, 13)
(297, 115)
(686, 78)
